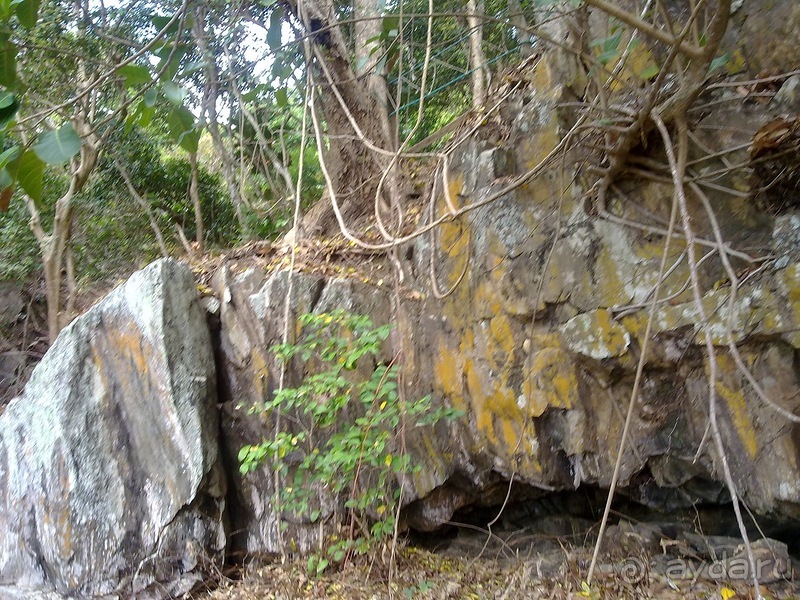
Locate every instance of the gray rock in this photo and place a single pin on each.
(11, 302)
(110, 483)
(788, 97)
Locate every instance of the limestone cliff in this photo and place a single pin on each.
(540, 337)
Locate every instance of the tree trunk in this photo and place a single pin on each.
(477, 60)
(524, 37)
(355, 127)
(288, 190)
(194, 194)
(54, 245)
(145, 206)
(209, 109)
(370, 61)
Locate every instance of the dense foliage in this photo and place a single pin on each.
(339, 434)
(146, 82)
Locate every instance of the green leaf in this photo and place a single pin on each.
(180, 121)
(255, 93)
(191, 141)
(29, 174)
(192, 68)
(389, 27)
(8, 62)
(150, 97)
(57, 147)
(281, 97)
(9, 105)
(649, 72)
(135, 75)
(275, 28)
(6, 99)
(28, 12)
(161, 22)
(182, 128)
(606, 57)
(322, 564)
(8, 156)
(718, 62)
(173, 92)
(171, 54)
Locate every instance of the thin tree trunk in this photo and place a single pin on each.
(275, 161)
(194, 194)
(524, 37)
(477, 60)
(145, 206)
(209, 108)
(368, 66)
(53, 246)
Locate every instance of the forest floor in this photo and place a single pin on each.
(424, 575)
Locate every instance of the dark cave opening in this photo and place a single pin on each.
(530, 520)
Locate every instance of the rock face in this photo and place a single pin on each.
(251, 320)
(110, 483)
(540, 338)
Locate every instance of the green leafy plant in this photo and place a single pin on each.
(343, 433)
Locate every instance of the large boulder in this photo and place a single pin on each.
(110, 482)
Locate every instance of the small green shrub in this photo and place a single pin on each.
(355, 420)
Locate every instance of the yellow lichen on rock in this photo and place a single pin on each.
(596, 334)
(549, 380)
(260, 372)
(790, 279)
(448, 375)
(730, 391)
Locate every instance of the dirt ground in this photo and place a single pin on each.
(424, 575)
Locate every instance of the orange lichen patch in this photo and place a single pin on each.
(638, 65)
(510, 435)
(477, 394)
(486, 300)
(596, 334)
(128, 345)
(447, 373)
(455, 187)
(550, 381)
(609, 289)
(736, 62)
(736, 403)
(260, 372)
(435, 462)
(790, 277)
(636, 324)
(502, 336)
(503, 404)
(454, 241)
(542, 77)
(60, 511)
(540, 144)
(64, 527)
(120, 356)
(453, 238)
